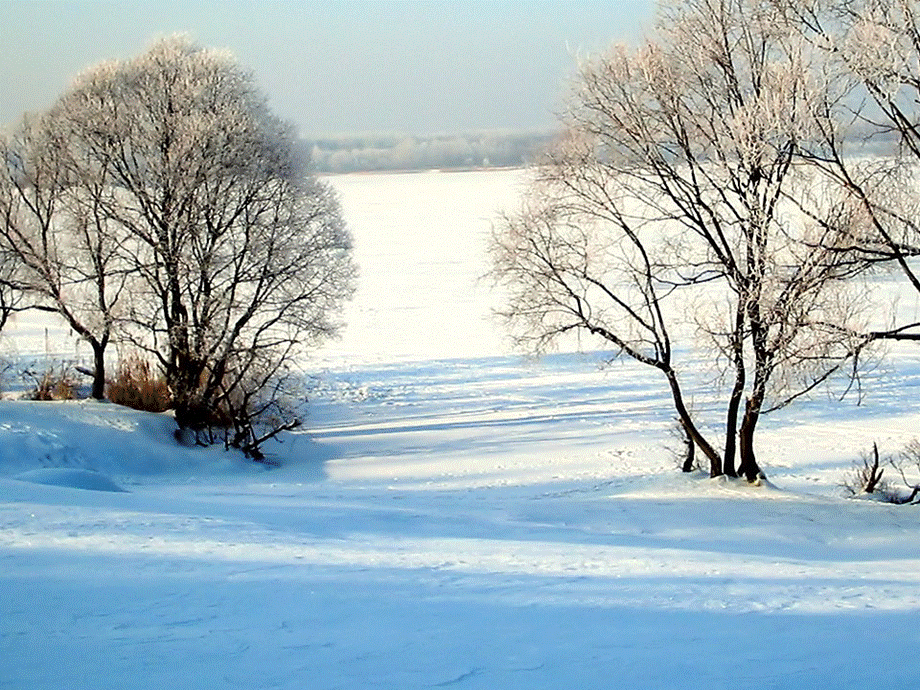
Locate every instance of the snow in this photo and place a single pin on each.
(74, 478)
(453, 515)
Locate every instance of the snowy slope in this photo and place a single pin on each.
(454, 515)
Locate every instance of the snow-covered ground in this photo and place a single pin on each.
(453, 516)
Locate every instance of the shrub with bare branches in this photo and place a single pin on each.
(53, 385)
(867, 476)
(909, 455)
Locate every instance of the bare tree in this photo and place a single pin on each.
(61, 253)
(665, 205)
(241, 255)
(160, 196)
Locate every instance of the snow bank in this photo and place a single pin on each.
(125, 445)
(70, 478)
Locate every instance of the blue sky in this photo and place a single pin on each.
(338, 66)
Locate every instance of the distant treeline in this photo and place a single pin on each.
(367, 153)
(388, 152)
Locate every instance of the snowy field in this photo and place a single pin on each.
(453, 516)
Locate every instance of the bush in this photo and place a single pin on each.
(54, 385)
(866, 479)
(244, 412)
(137, 386)
(909, 455)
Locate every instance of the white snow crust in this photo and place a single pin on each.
(452, 516)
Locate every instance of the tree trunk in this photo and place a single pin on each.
(690, 455)
(731, 431)
(98, 391)
(748, 466)
(734, 401)
(715, 460)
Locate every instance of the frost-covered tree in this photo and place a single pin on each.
(868, 142)
(661, 222)
(238, 257)
(60, 253)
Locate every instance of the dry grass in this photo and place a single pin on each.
(137, 386)
(54, 385)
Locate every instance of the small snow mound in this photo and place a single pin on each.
(70, 477)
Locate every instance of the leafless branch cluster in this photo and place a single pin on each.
(867, 476)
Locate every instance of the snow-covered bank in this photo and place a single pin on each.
(428, 534)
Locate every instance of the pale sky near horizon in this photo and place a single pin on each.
(338, 66)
